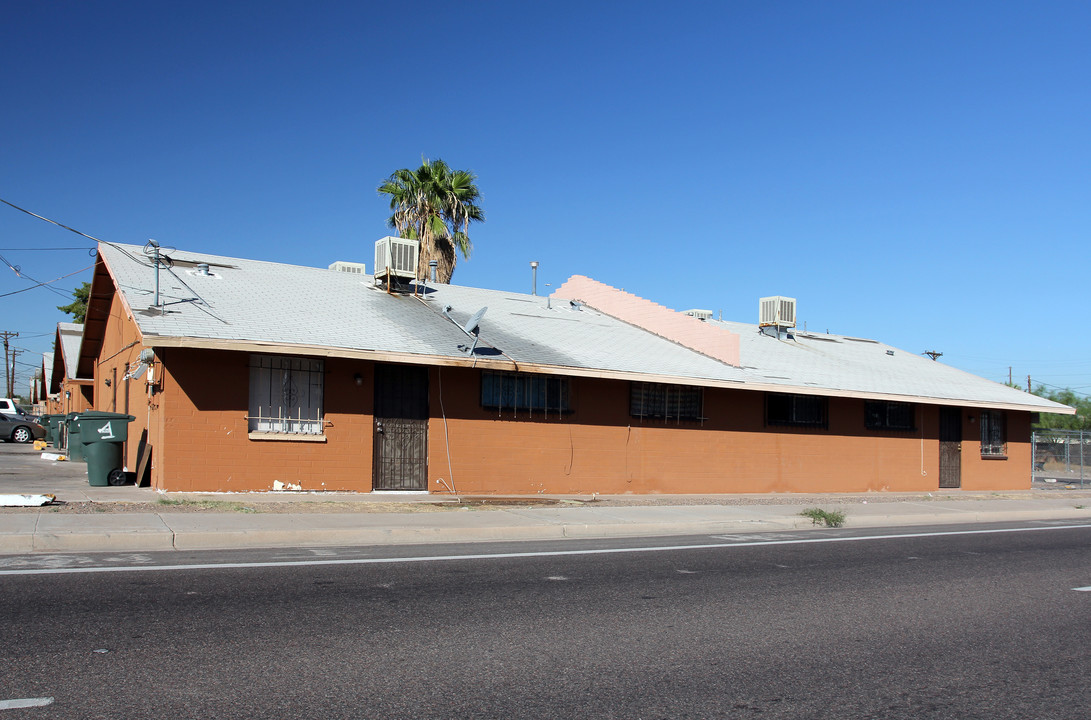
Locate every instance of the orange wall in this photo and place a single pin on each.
(1011, 473)
(121, 349)
(600, 448)
(75, 396)
(200, 433)
(206, 445)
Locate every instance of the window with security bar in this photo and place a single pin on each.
(286, 395)
(524, 391)
(994, 436)
(797, 410)
(883, 415)
(668, 402)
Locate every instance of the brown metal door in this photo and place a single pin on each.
(950, 447)
(401, 428)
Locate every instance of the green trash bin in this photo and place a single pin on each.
(102, 435)
(46, 421)
(57, 423)
(56, 432)
(72, 447)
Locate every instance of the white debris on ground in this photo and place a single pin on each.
(26, 500)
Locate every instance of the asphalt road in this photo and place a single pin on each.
(952, 626)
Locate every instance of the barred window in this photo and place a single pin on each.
(994, 436)
(286, 395)
(883, 415)
(523, 391)
(797, 410)
(670, 402)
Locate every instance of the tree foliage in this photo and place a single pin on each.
(78, 308)
(434, 204)
(1051, 421)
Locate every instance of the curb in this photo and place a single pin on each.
(150, 537)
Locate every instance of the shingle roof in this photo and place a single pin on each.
(70, 335)
(248, 304)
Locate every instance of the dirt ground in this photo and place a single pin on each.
(168, 504)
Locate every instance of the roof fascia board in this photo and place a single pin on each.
(412, 359)
(510, 366)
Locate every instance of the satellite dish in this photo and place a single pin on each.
(471, 327)
(475, 321)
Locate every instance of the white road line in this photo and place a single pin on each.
(25, 703)
(503, 556)
(1083, 589)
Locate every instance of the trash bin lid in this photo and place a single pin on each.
(102, 414)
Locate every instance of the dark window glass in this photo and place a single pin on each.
(286, 395)
(670, 402)
(519, 391)
(883, 415)
(994, 436)
(797, 410)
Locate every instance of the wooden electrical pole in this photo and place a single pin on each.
(1028, 383)
(932, 354)
(7, 335)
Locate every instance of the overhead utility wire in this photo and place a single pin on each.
(82, 234)
(42, 249)
(19, 273)
(40, 284)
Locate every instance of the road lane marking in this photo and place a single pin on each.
(516, 555)
(25, 703)
(1083, 589)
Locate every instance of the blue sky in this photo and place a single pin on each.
(912, 172)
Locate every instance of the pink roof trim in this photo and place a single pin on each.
(715, 342)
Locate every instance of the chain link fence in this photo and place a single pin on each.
(1062, 456)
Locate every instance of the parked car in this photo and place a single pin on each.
(12, 409)
(17, 429)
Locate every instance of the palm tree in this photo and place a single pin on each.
(434, 204)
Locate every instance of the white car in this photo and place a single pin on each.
(12, 409)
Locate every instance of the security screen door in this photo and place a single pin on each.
(950, 447)
(401, 428)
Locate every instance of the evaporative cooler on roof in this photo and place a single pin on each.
(396, 258)
(777, 311)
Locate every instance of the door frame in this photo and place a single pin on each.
(400, 429)
(950, 447)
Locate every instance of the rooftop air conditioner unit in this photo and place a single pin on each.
(777, 311)
(396, 258)
(699, 314)
(349, 267)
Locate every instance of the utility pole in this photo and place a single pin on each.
(932, 354)
(1009, 376)
(8, 335)
(1028, 383)
(11, 386)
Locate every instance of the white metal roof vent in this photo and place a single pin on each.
(699, 314)
(777, 311)
(396, 258)
(349, 267)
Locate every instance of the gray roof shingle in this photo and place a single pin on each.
(304, 309)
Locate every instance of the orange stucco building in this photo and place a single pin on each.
(380, 403)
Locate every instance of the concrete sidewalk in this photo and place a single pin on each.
(108, 522)
(46, 531)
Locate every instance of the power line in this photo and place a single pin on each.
(54, 222)
(117, 247)
(50, 282)
(40, 249)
